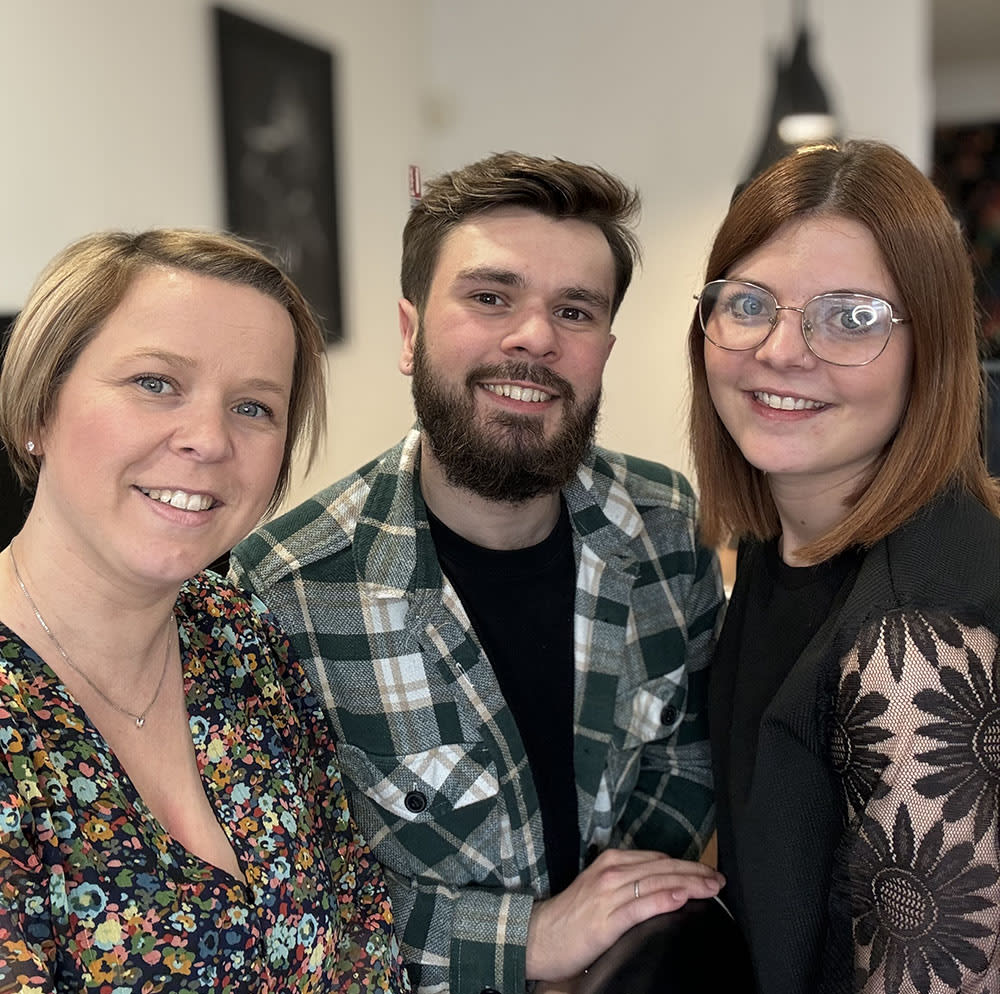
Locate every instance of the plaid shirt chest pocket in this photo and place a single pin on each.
(450, 792)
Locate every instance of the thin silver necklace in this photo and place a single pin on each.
(140, 718)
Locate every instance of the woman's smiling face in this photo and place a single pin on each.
(168, 433)
(801, 420)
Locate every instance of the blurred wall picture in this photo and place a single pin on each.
(13, 500)
(967, 171)
(280, 173)
(991, 419)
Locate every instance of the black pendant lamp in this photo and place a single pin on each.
(800, 109)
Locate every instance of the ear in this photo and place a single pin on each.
(37, 436)
(409, 323)
(611, 345)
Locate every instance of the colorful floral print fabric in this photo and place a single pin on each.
(96, 896)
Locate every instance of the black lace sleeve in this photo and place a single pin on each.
(916, 740)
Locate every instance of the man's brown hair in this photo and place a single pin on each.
(553, 187)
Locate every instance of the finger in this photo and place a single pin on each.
(627, 857)
(616, 863)
(691, 884)
(644, 897)
(638, 862)
(632, 910)
(673, 889)
(682, 868)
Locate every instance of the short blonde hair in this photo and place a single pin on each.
(86, 281)
(937, 444)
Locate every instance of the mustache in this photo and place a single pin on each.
(526, 372)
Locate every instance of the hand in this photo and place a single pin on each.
(566, 933)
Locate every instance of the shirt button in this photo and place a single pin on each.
(415, 801)
(668, 715)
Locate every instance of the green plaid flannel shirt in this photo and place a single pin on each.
(436, 771)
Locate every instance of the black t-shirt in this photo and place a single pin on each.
(785, 606)
(774, 612)
(520, 603)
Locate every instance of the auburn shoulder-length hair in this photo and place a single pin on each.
(938, 443)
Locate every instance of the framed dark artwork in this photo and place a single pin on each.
(13, 500)
(967, 171)
(279, 157)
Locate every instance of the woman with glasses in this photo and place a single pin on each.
(855, 692)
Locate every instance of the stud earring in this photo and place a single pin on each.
(30, 446)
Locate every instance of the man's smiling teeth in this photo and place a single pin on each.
(181, 499)
(518, 393)
(779, 403)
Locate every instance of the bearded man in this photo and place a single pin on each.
(509, 626)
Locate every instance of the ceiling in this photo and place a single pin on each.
(965, 30)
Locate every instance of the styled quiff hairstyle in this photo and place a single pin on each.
(937, 444)
(552, 187)
(86, 281)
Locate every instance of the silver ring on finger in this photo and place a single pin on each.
(635, 889)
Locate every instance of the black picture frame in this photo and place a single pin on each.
(14, 502)
(277, 106)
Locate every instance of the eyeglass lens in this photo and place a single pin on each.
(844, 328)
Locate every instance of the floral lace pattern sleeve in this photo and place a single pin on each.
(916, 742)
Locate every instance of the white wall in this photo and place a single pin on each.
(110, 111)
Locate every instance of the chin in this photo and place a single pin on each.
(173, 568)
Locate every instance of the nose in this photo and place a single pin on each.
(203, 432)
(532, 333)
(786, 345)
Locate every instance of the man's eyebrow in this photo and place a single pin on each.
(585, 295)
(486, 274)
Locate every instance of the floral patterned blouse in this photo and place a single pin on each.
(96, 896)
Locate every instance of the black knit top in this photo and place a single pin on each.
(856, 745)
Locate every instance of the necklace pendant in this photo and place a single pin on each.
(140, 721)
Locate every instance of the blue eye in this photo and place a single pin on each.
(847, 315)
(744, 304)
(152, 383)
(253, 409)
(862, 316)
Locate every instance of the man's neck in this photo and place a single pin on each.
(486, 523)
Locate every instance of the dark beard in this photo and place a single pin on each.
(507, 459)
